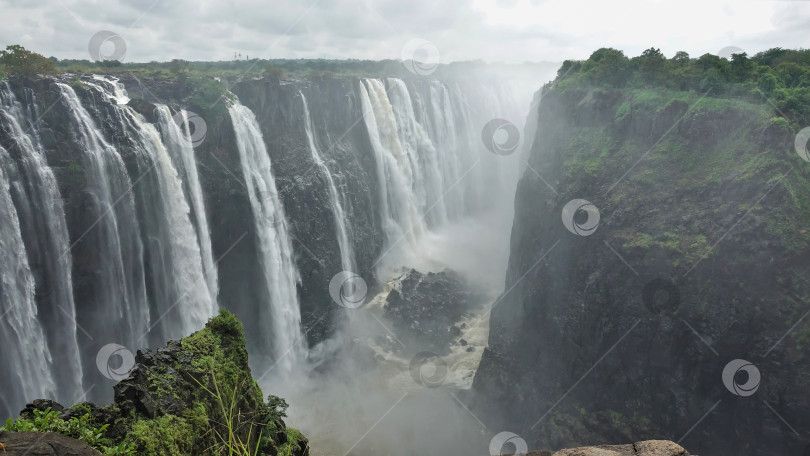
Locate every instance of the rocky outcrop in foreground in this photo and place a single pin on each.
(195, 397)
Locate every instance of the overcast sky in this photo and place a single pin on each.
(493, 30)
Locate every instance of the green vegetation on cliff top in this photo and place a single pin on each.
(780, 76)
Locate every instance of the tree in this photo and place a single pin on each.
(789, 73)
(741, 66)
(652, 65)
(18, 61)
(767, 83)
(608, 66)
(273, 72)
(681, 58)
(180, 68)
(713, 81)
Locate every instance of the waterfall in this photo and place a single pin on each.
(45, 235)
(398, 206)
(110, 240)
(179, 284)
(444, 132)
(25, 356)
(280, 273)
(429, 184)
(184, 160)
(347, 260)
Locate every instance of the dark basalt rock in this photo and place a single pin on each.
(429, 307)
(717, 253)
(40, 404)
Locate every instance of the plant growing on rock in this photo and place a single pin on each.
(81, 427)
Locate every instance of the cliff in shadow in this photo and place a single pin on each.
(658, 276)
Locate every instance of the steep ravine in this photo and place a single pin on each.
(621, 331)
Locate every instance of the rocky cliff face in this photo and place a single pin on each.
(667, 302)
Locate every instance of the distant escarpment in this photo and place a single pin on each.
(194, 397)
(658, 278)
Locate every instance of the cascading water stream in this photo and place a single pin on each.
(444, 132)
(25, 355)
(182, 152)
(400, 216)
(429, 182)
(347, 260)
(284, 340)
(46, 237)
(111, 239)
(178, 271)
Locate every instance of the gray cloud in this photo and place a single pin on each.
(461, 29)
